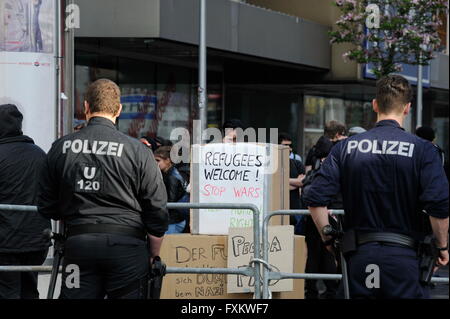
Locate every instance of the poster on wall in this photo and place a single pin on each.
(27, 65)
(146, 112)
(138, 111)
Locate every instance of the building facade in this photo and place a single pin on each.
(269, 64)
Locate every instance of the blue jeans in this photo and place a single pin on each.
(176, 228)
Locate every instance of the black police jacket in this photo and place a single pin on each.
(102, 176)
(21, 162)
(387, 177)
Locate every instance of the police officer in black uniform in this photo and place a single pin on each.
(388, 179)
(107, 189)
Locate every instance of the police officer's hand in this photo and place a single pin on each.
(442, 259)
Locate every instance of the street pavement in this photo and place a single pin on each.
(439, 291)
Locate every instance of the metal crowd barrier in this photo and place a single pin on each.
(275, 275)
(251, 271)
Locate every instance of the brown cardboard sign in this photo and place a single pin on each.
(185, 250)
(241, 251)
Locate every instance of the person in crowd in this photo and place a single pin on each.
(355, 130)
(176, 190)
(334, 131)
(286, 139)
(427, 133)
(229, 130)
(21, 240)
(78, 125)
(319, 259)
(155, 142)
(296, 174)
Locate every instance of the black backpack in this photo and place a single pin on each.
(307, 181)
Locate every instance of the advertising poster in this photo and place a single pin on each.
(27, 65)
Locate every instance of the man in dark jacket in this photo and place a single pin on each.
(109, 192)
(21, 240)
(319, 260)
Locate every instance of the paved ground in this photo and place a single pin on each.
(440, 291)
(43, 282)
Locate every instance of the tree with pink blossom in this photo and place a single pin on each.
(406, 32)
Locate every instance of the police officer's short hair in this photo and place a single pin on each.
(393, 93)
(334, 127)
(103, 96)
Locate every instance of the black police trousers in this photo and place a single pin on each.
(384, 271)
(110, 266)
(20, 285)
(320, 261)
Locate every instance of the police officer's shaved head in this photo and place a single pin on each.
(393, 93)
(103, 96)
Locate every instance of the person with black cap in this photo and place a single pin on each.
(427, 133)
(21, 240)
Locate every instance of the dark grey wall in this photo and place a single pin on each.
(439, 72)
(118, 18)
(231, 26)
(246, 29)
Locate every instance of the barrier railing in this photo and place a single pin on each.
(251, 271)
(275, 275)
(270, 275)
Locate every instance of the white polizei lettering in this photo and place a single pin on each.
(94, 147)
(383, 147)
(101, 150)
(97, 147)
(369, 146)
(387, 147)
(403, 148)
(351, 145)
(77, 146)
(112, 148)
(66, 146)
(374, 147)
(86, 149)
(411, 150)
(119, 152)
(390, 150)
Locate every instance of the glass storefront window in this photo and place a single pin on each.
(441, 126)
(319, 110)
(173, 100)
(156, 98)
(314, 116)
